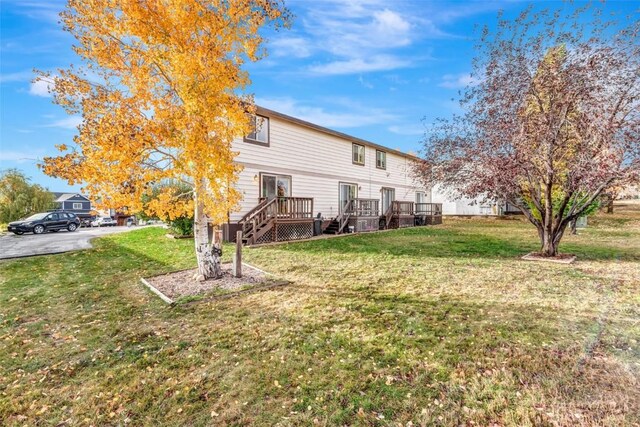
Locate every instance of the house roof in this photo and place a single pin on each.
(61, 197)
(290, 119)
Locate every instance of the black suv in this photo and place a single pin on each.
(46, 221)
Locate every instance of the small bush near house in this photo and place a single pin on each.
(182, 226)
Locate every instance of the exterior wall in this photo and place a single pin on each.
(317, 162)
(67, 205)
(462, 206)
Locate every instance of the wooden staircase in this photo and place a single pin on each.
(333, 227)
(285, 218)
(339, 223)
(257, 221)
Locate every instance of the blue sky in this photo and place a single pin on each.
(375, 69)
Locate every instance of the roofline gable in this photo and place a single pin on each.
(271, 113)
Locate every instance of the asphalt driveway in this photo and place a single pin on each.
(13, 246)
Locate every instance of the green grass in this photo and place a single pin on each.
(439, 325)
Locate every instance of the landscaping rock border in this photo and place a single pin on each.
(171, 287)
(561, 259)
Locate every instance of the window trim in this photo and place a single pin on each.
(385, 159)
(364, 154)
(257, 142)
(74, 206)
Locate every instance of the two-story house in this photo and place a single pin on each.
(73, 202)
(296, 172)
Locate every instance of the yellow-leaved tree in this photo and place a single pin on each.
(158, 89)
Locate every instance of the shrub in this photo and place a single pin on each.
(182, 226)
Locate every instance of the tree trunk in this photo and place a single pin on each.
(207, 253)
(550, 240)
(549, 247)
(574, 226)
(610, 206)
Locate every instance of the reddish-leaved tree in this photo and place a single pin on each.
(552, 120)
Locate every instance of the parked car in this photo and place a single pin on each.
(45, 221)
(104, 221)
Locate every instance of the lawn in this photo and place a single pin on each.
(441, 325)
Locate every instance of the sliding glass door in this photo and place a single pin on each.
(275, 186)
(348, 191)
(388, 196)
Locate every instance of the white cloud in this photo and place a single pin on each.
(41, 10)
(396, 79)
(71, 122)
(41, 86)
(343, 114)
(388, 23)
(348, 34)
(19, 76)
(364, 36)
(296, 47)
(17, 156)
(365, 83)
(457, 81)
(359, 36)
(360, 65)
(407, 129)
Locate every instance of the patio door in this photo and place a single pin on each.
(388, 196)
(275, 186)
(348, 191)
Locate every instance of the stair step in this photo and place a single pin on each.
(333, 228)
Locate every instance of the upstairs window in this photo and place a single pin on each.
(77, 206)
(358, 154)
(381, 159)
(260, 134)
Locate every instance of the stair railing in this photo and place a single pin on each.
(388, 215)
(259, 217)
(346, 214)
(256, 208)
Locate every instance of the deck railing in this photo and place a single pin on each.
(402, 208)
(429, 209)
(249, 215)
(364, 207)
(269, 212)
(291, 207)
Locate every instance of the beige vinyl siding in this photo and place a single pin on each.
(317, 163)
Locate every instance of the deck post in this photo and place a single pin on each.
(237, 257)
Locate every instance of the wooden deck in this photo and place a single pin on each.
(428, 213)
(364, 215)
(291, 218)
(409, 214)
(278, 219)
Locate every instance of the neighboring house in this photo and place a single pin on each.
(111, 213)
(73, 202)
(468, 207)
(296, 171)
(120, 217)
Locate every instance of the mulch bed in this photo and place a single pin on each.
(558, 259)
(181, 283)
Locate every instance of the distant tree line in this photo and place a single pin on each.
(20, 198)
